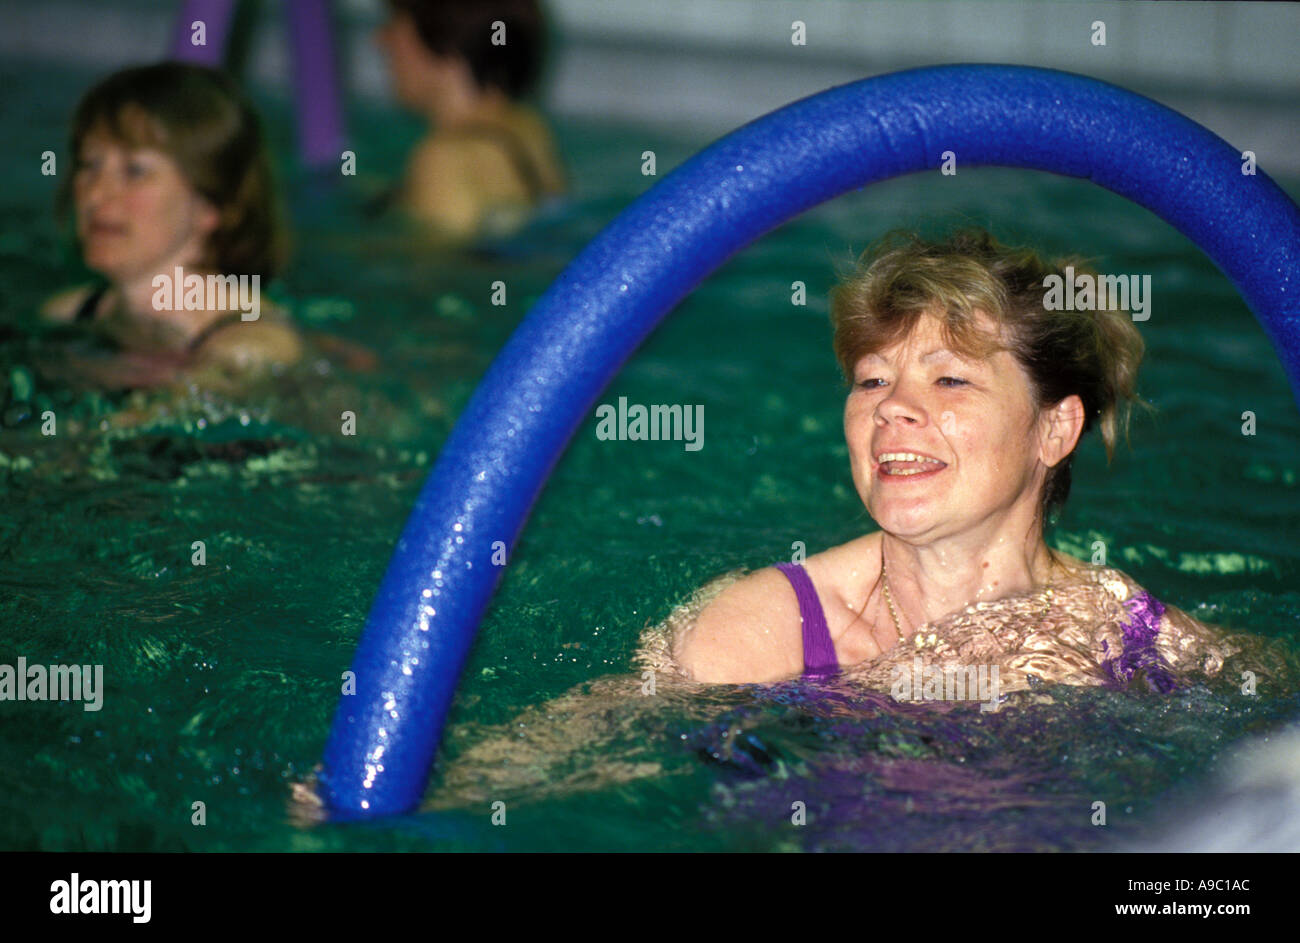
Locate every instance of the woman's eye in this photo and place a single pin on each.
(137, 168)
(952, 381)
(869, 383)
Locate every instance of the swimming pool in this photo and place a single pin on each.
(221, 680)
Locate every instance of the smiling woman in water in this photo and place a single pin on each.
(968, 399)
(967, 402)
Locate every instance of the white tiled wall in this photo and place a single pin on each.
(714, 64)
(1248, 44)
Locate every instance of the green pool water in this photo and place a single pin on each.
(221, 680)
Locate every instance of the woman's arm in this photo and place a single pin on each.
(748, 634)
(227, 364)
(240, 354)
(1243, 657)
(1192, 647)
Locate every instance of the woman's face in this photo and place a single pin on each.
(971, 428)
(137, 215)
(417, 73)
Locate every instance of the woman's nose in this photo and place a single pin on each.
(96, 187)
(899, 406)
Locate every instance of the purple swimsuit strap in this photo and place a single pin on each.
(818, 650)
(1139, 653)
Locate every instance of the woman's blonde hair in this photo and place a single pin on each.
(198, 117)
(1091, 354)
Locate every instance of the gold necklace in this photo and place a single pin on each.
(921, 640)
(889, 600)
(889, 597)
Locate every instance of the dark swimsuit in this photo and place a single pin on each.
(88, 307)
(86, 314)
(1139, 637)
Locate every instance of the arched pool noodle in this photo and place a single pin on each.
(545, 380)
(319, 103)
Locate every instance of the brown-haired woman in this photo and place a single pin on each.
(174, 206)
(488, 160)
(968, 398)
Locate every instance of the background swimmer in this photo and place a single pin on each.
(488, 158)
(171, 171)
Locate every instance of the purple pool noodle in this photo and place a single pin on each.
(216, 16)
(320, 113)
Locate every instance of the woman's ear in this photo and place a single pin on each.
(1059, 428)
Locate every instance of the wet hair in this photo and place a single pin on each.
(199, 118)
(1091, 354)
(464, 28)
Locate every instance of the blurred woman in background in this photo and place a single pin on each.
(488, 160)
(171, 174)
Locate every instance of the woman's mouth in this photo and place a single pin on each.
(907, 465)
(96, 228)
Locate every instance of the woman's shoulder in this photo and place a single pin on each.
(271, 339)
(1115, 583)
(439, 188)
(532, 125)
(744, 629)
(454, 156)
(1111, 589)
(1184, 642)
(525, 115)
(537, 131)
(63, 307)
(493, 155)
(846, 562)
(1124, 589)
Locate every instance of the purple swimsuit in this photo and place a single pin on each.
(819, 659)
(1139, 652)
